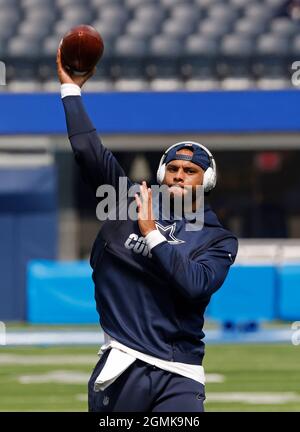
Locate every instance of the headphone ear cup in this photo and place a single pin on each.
(209, 179)
(161, 173)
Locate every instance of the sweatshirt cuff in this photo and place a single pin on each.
(154, 238)
(70, 89)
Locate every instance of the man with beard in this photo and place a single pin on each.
(151, 305)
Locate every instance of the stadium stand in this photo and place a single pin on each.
(157, 44)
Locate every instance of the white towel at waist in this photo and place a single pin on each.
(121, 357)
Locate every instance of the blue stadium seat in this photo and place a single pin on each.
(200, 57)
(222, 12)
(241, 3)
(21, 47)
(9, 15)
(77, 15)
(106, 30)
(136, 3)
(272, 56)
(30, 4)
(176, 29)
(258, 11)
(272, 44)
(186, 13)
(250, 27)
(172, 3)
(127, 46)
(45, 16)
(98, 4)
(235, 45)
(275, 3)
(34, 30)
(161, 24)
(140, 29)
(70, 3)
(50, 45)
(198, 45)
(7, 30)
(10, 3)
(150, 13)
(206, 4)
(114, 15)
(212, 28)
(235, 56)
(163, 45)
(284, 27)
(164, 54)
(61, 28)
(129, 55)
(296, 46)
(3, 52)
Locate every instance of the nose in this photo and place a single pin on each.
(179, 175)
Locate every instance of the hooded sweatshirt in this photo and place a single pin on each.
(152, 301)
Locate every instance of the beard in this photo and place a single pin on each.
(181, 197)
(177, 191)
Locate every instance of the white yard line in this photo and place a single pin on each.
(94, 337)
(246, 398)
(214, 378)
(254, 398)
(48, 359)
(54, 338)
(79, 377)
(75, 377)
(57, 377)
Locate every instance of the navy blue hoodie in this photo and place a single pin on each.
(153, 302)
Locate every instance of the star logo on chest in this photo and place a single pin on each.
(168, 233)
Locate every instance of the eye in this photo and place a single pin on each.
(171, 168)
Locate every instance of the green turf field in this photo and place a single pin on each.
(252, 377)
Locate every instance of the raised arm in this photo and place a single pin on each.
(97, 163)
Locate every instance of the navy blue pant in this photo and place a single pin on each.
(146, 388)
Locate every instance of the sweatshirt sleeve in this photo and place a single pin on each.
(97, 164)
(201, 276)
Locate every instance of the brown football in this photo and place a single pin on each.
(81, 49)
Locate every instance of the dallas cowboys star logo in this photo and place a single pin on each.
(168, 232)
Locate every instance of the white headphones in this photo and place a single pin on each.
(210, 175)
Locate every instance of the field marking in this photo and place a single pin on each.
(45, 359)
(71, 377)
(246, 398)
(10, 359)
(254, 398)
(58, 377)
(82, 397)
(214, 378)
(25, 338)
(95, 337)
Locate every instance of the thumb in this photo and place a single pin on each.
(63, 76)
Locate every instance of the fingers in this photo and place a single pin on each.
(60, 70)
(67, 76)
(58, 58)
(85, 77)
(63, 75)
(92, 72)
(144, 202)
(138, 202)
